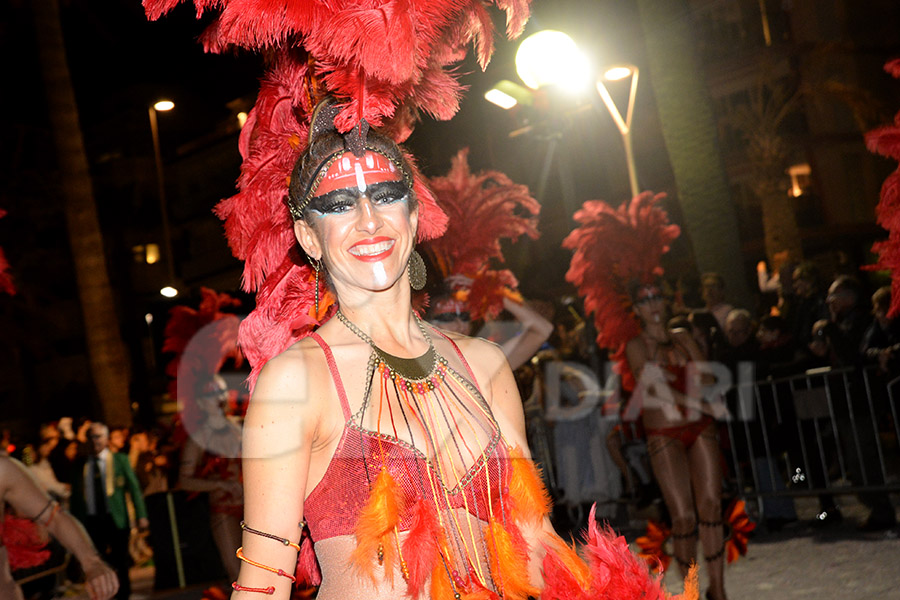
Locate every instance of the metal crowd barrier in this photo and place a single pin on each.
(826, 431)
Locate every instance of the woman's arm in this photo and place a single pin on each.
(506, 406)
(18, 488)
(535, 331)
(279, 431)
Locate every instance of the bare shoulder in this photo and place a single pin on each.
(285, 391)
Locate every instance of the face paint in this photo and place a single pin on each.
(380, 274)
(346, 200)
(350, 171)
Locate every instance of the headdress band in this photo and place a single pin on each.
(343, 169)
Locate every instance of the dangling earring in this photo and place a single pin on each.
(417, 273)
(317, 266)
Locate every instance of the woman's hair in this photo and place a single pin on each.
(325, 145)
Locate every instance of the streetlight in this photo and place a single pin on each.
(551, 58)
(618, 73)
(163, 106)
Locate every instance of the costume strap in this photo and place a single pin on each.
(461, 357)
(335, 374)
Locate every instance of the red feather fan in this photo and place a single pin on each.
(614, 248)
(483, 209)
(6, 282)
(386, 61)
(886, 141)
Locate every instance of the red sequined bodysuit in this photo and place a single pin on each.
(333, 506)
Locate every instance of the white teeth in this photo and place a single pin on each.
(370, 249)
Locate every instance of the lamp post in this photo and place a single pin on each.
(617, 74)
(163, 106)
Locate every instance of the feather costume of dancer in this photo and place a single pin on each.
(6, 282)
(483, 208)
(615, 249)
(886, 141)
(384, 62)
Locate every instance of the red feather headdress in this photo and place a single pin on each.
(614, 249)
(6, 282)
(202, 339)
(886, 141)
(385, 62)
(482, 209)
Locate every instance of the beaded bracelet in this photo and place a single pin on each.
(281, 572)
(268, 591)
(271, 536)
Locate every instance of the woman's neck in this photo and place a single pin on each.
(657, 332)
(387, 318)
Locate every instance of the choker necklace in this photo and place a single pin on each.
(413, 369)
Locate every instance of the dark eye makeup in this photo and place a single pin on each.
(346, 199)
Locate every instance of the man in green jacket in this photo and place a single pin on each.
(98, 499)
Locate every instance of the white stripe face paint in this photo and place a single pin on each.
(360, 178)
(380, 274)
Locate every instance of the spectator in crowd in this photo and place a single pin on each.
(847, 323)
(881, 342)
(739, 333)
(99, 486)
(42, 470)
(118, 438)
(808, 305)
(712, 290)
(22, 493)
(708, 334)
(838, 341)
(777, 351)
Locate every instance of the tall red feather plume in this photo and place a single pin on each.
(483, 209)
(613, 248)
(6, 282)
(886, 141)
(386, 62)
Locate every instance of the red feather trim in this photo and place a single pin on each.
(375, 529)
(615, 247)
(6, 282)
(509, 563)
(566, 575)
(421, 546)
(652, 545)
(740, 526)
(616, 571)
(886, 141)
(530, 502)
(25, 542)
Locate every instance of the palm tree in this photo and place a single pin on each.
(108, 359)
(690, 133)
